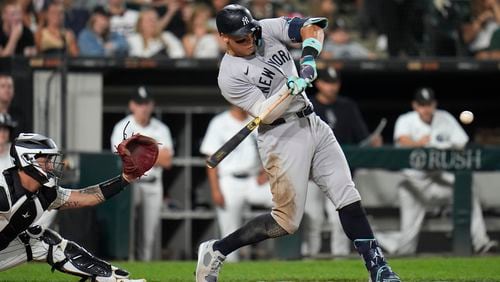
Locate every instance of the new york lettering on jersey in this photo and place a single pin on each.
(272, 68)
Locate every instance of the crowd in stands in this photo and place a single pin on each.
(186, 28)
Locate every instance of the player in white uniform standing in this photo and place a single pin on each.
(238, 180)
(27, 190)
(148, 190)
(427, 126)
(294, 144)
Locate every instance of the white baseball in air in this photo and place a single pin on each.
(466, 117)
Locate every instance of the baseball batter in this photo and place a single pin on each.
(294, 143)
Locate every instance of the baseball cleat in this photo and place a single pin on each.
(375, 262)
(209, 262)
(383, 274)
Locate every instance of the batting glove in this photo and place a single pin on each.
(297, 84)
(308, 68)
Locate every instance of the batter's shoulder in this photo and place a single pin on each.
(232, 70)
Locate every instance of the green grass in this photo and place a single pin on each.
(410, 269)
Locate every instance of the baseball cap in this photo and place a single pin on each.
(142, 96)
(328, 74)
(424, 96)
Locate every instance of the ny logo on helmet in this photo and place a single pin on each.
(245, 20)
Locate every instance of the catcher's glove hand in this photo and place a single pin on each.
(138, 153)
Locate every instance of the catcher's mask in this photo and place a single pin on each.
(236, 20)
(38, 156)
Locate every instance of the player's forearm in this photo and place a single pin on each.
(95, 194)
(262, 104)
(312, 31)
(164, 158)
(10, 47)
(213, 180)
(405, 141)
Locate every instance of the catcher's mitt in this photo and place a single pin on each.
(138, 153)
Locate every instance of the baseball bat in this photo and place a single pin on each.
(377, 131)
(232, 143)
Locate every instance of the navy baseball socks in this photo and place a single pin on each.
(375, 262)
(355, 223)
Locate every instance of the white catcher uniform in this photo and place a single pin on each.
(300, 147)
(148, 191)
(426, 188)
(22, 241)
(237, 173)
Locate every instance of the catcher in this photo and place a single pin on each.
(29, 188)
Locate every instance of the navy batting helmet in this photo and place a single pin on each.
(236, 20)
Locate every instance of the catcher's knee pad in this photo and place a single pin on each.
(68, 257)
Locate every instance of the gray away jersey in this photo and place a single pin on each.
(243, 80)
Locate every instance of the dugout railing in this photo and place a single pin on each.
(461, 162)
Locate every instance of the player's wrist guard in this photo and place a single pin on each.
(113, 186)
(308, 69)
(311, 46)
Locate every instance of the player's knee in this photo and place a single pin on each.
(68, 257)
(292, 229)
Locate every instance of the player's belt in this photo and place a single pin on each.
(147, 179)
(241, 175)
(305, 112)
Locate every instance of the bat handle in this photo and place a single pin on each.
(210, 163)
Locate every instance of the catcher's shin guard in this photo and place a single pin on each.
(375, 262)
(68, 257)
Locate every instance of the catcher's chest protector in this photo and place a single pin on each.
(20, 208)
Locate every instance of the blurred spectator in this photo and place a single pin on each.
(340, 45)
(493, 52)
(53, 38)
(370, 18)
(324, 8)
(401, 23)
(200, 41)
(344, 117)
(477, 33)
(174, 16)
(98, 40)
(443, 26)
(6, 92)
(218, 5)
(261, 9)
(7, 126)
(75, 18)
(15, 38)
(150, 41)
(123, 20)
(29, 15)
(427, 126)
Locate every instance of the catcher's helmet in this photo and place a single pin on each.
(236, 20)
(25, 150)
